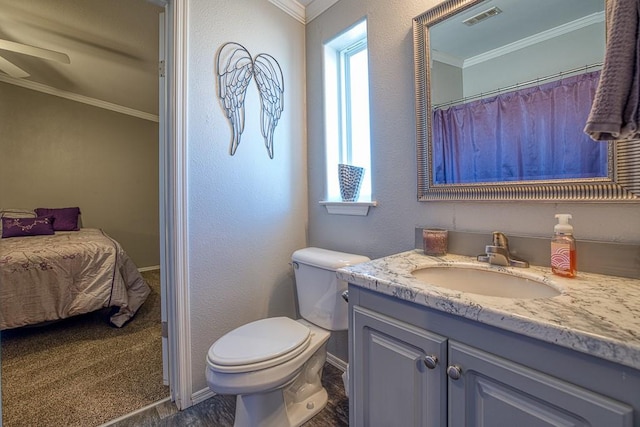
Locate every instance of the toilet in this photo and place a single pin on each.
(274, 365)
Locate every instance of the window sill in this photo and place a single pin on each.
(348, 208)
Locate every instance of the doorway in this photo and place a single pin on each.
(166, 251)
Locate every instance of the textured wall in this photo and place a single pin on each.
(247, 213)
(389, 228)
(59, 153)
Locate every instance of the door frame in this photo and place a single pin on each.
(173, 205)
(173, 196)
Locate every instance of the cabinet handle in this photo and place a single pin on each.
(431, 361)
(345, 295)
(454, 372)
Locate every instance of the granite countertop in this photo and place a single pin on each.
(594, 314)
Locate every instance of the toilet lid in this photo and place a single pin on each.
(266, 339)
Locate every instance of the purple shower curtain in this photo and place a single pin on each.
(533, 133)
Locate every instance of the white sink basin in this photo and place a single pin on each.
(485, 282)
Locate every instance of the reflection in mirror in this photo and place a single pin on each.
(503, 91)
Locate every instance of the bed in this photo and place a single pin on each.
(51, 277)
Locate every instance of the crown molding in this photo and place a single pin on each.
(446, 58)
(316, 7)
(293, 8)
(302, 13)
(39, 87)
(536, 38)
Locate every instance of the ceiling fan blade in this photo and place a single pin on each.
(38, 52)
(12, 69)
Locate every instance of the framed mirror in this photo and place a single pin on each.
(503, 91)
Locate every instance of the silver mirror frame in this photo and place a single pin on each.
(622, 183)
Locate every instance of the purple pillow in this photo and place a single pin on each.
(16, 227)
(65, 219)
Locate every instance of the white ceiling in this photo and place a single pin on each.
(112, 45)
(519, 19)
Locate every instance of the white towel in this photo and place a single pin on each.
(614, 113)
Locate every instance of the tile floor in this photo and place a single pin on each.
(219, 410)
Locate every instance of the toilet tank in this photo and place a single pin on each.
(318, 289)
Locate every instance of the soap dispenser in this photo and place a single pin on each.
(563, 248)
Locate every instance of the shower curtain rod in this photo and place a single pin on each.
(517, 85)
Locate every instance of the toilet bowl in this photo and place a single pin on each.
(270, 395)
(274, 365)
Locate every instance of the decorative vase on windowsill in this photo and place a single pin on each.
(350, 179)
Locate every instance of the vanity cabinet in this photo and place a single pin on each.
(486, 390)
(395, 380)
(415, 366)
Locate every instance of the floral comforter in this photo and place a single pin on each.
(44, 278)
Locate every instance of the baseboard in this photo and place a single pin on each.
(137, 411)
(201, 396)
(150, 268)
(335, 361)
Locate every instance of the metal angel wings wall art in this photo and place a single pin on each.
(235, 70)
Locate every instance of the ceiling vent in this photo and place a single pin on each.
(482, 16)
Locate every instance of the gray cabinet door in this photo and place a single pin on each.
(392, 384)
(494, 392)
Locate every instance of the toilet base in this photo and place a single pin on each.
(269, 410)
(291, 405)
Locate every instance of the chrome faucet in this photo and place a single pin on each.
(498, 253)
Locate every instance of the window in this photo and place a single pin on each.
(346, 88)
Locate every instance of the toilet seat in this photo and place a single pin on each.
(259, 345)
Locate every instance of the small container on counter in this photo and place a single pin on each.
(563, 248)
(434, 241)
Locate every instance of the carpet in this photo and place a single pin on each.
(82, 371)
